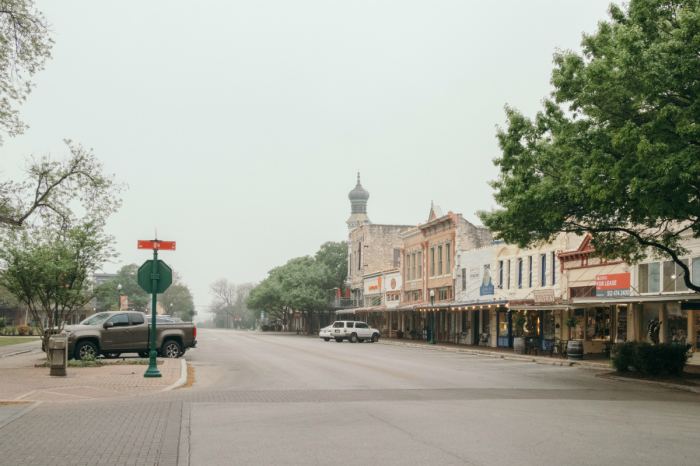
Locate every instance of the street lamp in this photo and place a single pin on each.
(171, 309)
(119, 301)
(432, 326)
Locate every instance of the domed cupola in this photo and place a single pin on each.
(358, 205)
(358, 198)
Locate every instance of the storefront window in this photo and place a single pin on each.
(598, 323)
(621, 335)
(577, 331)
(678, 329)
(532, 325)
(548, 325)
(503, 324)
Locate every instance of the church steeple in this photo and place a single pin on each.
(358, 205)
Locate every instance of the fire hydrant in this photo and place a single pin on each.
(58, 353)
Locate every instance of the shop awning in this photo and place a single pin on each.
(639, 299)
(345, 311)
(538, 307)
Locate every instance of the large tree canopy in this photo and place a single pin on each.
(108, 293)
(24, 47)
(616, 151)
(334, 255)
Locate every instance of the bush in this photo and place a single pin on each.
(11, 331)
(265, 328)
(623, 356)
(3, 322)
(650, 359)
(23, 329)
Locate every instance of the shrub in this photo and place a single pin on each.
(10, 331)
(623, 356)
(265, 328)
(23, 329)
(3, 322)
(650, 359)
(571, 322)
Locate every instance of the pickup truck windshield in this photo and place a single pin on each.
(95, 319)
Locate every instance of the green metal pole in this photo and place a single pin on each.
(152, 370)
(432, 327)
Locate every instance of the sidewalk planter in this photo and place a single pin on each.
(574, 350)
(519, 345)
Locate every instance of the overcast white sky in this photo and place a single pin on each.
(240, 126)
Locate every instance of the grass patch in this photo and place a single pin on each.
(6, 341)
(93, 362)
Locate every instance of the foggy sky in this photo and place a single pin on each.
(239, 126)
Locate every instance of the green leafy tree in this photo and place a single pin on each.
(49, 271)
(616, 150)
(267, 297)
(334, 255)
(108, 293)
(25, 46)
(177, 299)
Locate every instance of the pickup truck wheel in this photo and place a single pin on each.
(85, 349)
(375, 338)
(353, 338)
(339, 340)
(111, 355)
(171, 349)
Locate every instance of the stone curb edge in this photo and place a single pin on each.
(20, 414)
(183, 377)
(659, 384)
(16, 353)
(511, 357)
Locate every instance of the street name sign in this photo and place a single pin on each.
(161, 245)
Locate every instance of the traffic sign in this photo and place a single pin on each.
(144, 276)
(161, 245)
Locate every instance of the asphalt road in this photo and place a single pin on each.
(294, 400)
(272, 399)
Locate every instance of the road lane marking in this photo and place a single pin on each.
(354, 363)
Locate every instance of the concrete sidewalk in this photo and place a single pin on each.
(487, 351)
(21, 381)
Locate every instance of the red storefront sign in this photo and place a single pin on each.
(612, 285)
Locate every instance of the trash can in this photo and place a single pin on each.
(58, 354)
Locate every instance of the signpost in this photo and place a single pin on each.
(154, 276)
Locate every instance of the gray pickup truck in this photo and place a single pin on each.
(114, 333)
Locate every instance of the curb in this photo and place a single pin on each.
(20, 414)
(510, 357)
(183, 452)
(659, 384)
(183, 377)
(16, 353)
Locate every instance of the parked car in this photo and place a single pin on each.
(117, 332)
(354, 332)
(326, 333)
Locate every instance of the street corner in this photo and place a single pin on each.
(32, 382)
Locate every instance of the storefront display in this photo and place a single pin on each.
(548, 326)
(577, 330)
(621, 334)
(598, 323)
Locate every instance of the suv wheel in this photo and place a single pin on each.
(375, 338)
(353, 338)
(171, 349)
(327, 339)
(339, 340)
(85, 349)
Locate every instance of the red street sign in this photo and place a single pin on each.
(163, 245)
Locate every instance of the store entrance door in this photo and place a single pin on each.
(476, 328)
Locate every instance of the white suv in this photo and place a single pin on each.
(354, 332)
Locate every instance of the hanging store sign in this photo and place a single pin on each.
(612, 286)
(543, 296)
